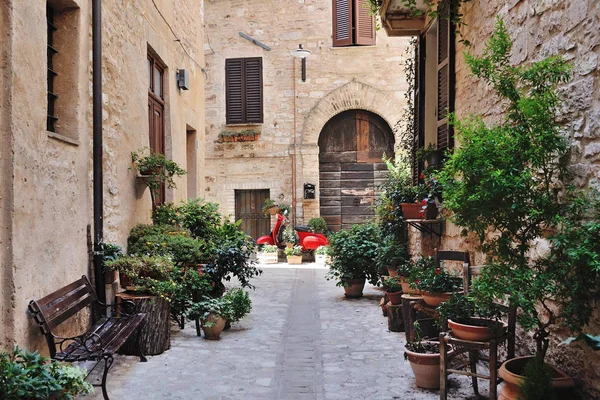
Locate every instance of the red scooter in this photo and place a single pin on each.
(308, 240)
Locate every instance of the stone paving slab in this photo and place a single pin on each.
(302, 340)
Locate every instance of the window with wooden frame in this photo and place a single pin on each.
(52, 51)
(244, 90)
(156, 112)
(353, 23)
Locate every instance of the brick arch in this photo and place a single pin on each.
(352, 95)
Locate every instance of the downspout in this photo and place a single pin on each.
(97, 149)
(294, 149)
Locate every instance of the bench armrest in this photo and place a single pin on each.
(90, 341)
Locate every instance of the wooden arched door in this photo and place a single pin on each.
(351, 148)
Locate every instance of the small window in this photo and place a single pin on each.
(156, 77)
(52, 51)
(244, 90)
(353, 23)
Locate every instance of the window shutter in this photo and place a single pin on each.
(342, 22)
(253, 86)
(234, 91)
(364, 24)
(419, 104)
(445, 79)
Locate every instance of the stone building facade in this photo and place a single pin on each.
(368, 78)
(538, 29)
(46, 171)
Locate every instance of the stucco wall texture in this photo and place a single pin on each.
(539, 28)
(45, 180)
(338, 78)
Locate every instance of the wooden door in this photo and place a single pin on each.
(248, 208)
(351, 148)
(156, 114)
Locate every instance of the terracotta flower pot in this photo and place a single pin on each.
(435, 299)
(213, 332)
(511, 371)
(294, 259)
(415, 211)
(476, 333)
(395, 297)
(392, 272)
(406, 289)
(426, 368)
(124, 280)
(355, 287)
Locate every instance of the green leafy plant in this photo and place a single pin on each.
(502, 183)
(317, 225)
(437, 280)
(293, 251)
(323, 251)
(156, 169)
(239, 135)
(391, 254)
(392, 284)
(201, 218)
(27, 375)
(418, 345)
(269, 248)
(166, 214)
(111, 252)
(269, 204)
(354, 253)
(286, 209)
(460, 308)
(240, 303)
(537, 382)
(290, 235)
(413, 270)
(220, 306)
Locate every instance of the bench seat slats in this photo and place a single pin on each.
(73, 308)
(54, 309)
(45, 301)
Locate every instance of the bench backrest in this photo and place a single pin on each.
(55, 308)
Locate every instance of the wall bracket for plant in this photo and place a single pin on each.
(430, 226)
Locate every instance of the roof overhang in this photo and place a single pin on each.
(398, 20)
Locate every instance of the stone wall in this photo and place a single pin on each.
(46, 178)
(540, 28)
(338, 79)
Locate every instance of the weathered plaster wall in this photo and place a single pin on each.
(540, 28)
(46, 199)
(337, 79)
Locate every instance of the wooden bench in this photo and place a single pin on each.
(101, 341)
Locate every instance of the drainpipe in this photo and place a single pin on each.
(97, 146)
(294, 150)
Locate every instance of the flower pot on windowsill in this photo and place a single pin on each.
(294, 260)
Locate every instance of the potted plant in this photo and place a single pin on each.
(30, 376)
(240, 304)
(321, 254)
(436, 285)
(317, 225)
(391, 255)
(410, 272)
(136, 273)
(269, 254)
(155, 170)
(294, 254)
(270, 207)
(393, 290)
(213, 314)
(353, 258)
(470, 320)
(424, 359)
(431, 155)
(290, 237)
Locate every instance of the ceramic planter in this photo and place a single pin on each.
(407, 289)
(392, 272)
(355, 287)
(476, 333)
(294, 259)
(395, 297)
(268, 258)
(426, 368)
(213, 332)
(435, 299)
(511, 371)
(415, 211)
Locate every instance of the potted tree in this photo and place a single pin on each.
(294, 254)
(354, 254)
(268, 254)
(155, 170)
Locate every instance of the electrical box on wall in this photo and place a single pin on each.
(309, 191)
(183, 79)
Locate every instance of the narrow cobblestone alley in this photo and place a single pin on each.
(302, 340)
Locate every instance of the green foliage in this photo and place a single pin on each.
(506, 176)
(323, 251)
(392, 284)
(290, 235)
(240, 303)
(156, 169)
(391, 253)
(232, 306)
(201, 218)
(317, 225)
(268, 205)
(149, 274)
(354, 254)
(269, 248)
(418, 345)
(460, 308)
(537, 382)
(437, 280)
(414, 269)
(166, 214)
(293, 251)
(191, 286)
(111, 252)
(25, 375)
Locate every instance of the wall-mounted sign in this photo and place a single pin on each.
(309, 191)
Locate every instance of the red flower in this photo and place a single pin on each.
(416, 281)
(422, 176)
(437, 271)
(212, 284)
(424, 201)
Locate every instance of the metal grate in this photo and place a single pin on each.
(52, 51)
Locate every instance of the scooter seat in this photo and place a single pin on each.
(302, 228)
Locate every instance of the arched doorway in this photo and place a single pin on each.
(351, 147)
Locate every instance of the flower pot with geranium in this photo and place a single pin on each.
(393, 290)
(410, 271)
(436, 285)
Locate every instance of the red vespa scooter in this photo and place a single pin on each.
(308, 240)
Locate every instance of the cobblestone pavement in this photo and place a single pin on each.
(302, 340)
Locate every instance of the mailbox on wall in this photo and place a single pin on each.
(309, 191)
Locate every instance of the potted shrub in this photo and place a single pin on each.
(436, 285)
(137, 273)
(155, 170)
(30, 376)
(318, 225)
(322, 254)
(269, 254)
(294, 254)
(240, 304)
(393, 290)
(270, 207)
(424, 359)
(469, 320)
(353, 258)
(410, 272)
(213, 313)
(391, 255)
(290, 237)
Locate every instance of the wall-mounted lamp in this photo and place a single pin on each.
(300, 52)
(183, 79)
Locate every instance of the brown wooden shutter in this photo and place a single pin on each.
(364, 24)
(445, 79)
(253, 87)
(419, 105)
(342, 22)
(234, 90)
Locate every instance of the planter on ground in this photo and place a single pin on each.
(213, 332)
(354, 287)
(477, 330)
(426, 366)
(321, 259)
(294, 259)
(268, 258)
(511, 372)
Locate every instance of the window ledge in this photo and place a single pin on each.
(246, 124)
(369, 46)
(62, 138)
